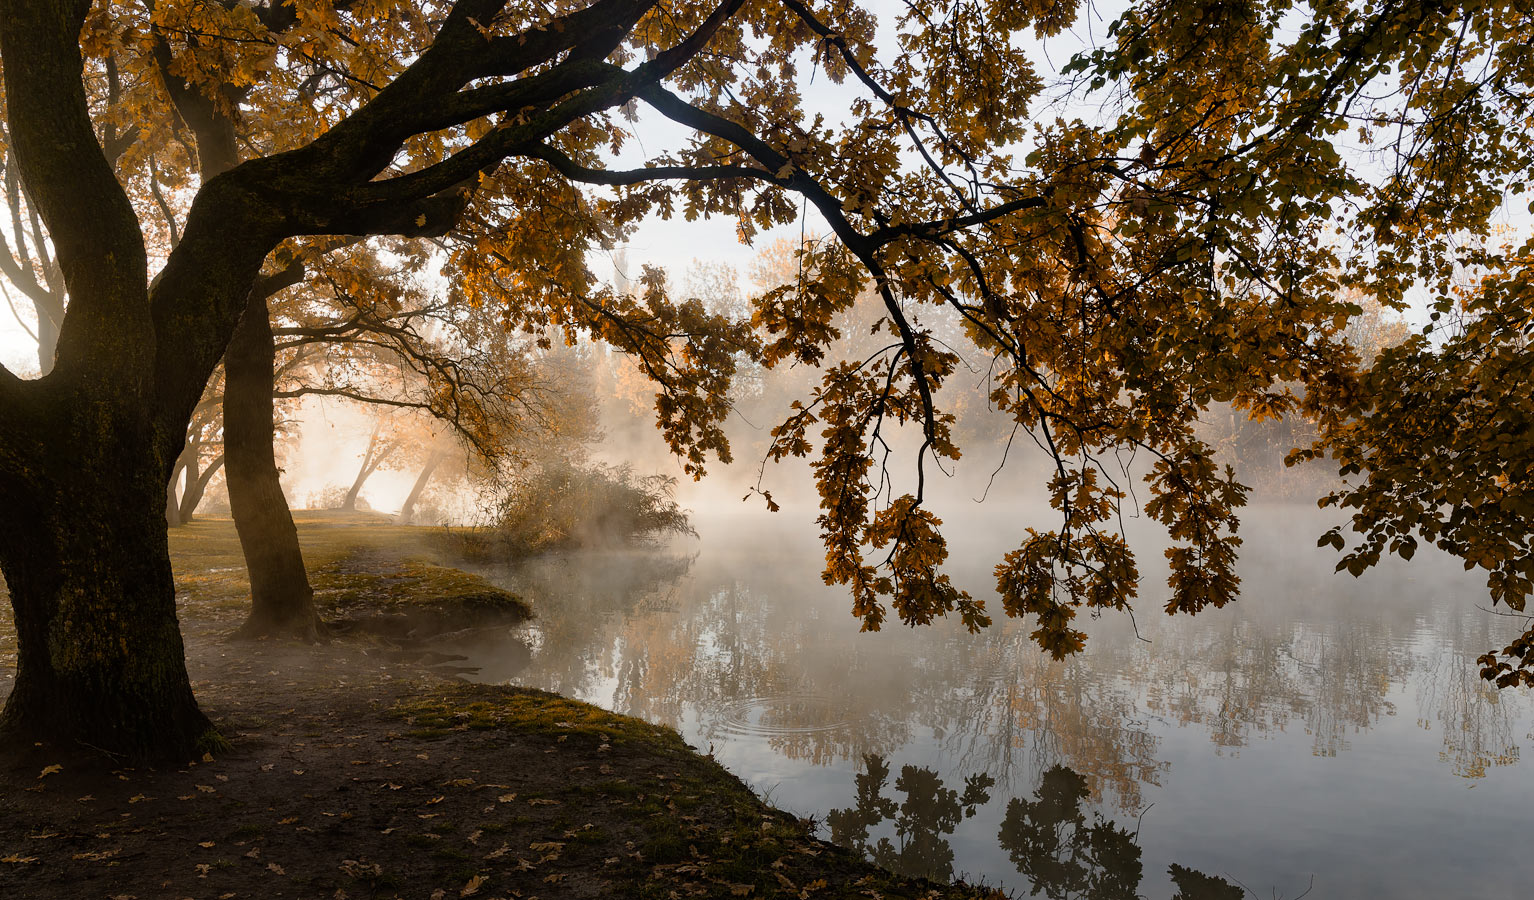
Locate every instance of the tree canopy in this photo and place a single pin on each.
(1259, 163)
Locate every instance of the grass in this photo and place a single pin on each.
(356, 562)
(693, 828)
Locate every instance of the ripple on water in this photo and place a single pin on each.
(782, 714)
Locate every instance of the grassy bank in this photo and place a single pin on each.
(353, 774)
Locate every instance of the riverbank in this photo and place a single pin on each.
(359, 768)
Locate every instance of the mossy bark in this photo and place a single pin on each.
(282, 601)
(100, 662)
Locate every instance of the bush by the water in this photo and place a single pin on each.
(557, 506)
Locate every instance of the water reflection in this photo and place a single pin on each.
(929, 812)
(1053, 840)
(1053, 844)
(741, 647)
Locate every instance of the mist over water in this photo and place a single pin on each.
(1320, 727)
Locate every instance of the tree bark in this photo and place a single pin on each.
(407, 509)
(101, 664)
(282, 602)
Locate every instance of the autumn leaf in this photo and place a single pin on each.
(473, 886)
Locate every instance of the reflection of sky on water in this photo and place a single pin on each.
(1321, 725)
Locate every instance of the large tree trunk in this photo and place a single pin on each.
(407, 509)
(101, 664)
(282, 602)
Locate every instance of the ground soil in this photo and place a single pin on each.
(358, 770)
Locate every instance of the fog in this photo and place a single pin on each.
(1222, 740)
(1217, 742)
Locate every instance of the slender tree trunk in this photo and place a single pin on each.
(407, 509)
(196, 488)
(175, 502)
(282, 602)
(371, 460)
(100, 661)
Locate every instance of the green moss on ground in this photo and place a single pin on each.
(360, 567)
(685, 826)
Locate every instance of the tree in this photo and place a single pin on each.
(366, 330)
(381, 446)
(201, 458)
(282, 601)
(1122, 277)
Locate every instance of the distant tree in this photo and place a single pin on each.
(201, 458)
(435, 455)
(1120, 277)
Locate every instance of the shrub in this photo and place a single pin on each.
(557, 505)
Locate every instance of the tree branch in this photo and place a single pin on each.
(95, 232)
(572, 170)
(350, 395)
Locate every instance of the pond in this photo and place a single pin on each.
(1323, 733)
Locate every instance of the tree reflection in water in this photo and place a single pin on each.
(929, 812)
(1065, 853)
(745, 645)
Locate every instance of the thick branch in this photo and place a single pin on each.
(68, 179)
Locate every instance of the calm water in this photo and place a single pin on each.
(1322, 730)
